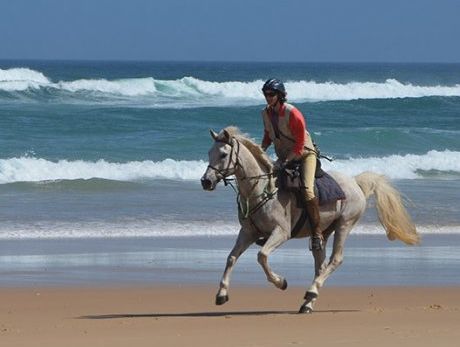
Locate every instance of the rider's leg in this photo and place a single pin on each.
(311, 202)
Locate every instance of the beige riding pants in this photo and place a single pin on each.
(308, 175)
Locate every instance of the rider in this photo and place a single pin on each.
(284, 126)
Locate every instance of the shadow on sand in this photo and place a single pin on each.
(204, 314)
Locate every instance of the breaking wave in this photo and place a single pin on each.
(433, 164)
(193, 92)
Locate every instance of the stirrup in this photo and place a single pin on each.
(316, 243)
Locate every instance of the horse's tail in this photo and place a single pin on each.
(390, 209)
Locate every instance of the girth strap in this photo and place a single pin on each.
(297, 227)
(300, 223)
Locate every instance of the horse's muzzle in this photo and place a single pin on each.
(207, 184)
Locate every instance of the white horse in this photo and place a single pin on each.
(271, 213)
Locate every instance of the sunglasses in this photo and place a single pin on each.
(270, 94)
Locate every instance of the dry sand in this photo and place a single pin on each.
(254, 316)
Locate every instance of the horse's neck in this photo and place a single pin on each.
(250, 175)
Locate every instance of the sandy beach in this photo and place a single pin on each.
(160, 292)
(255, 316)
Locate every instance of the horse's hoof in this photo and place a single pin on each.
(309, 296)
(305, 309)
(220, 300)
(284, 286)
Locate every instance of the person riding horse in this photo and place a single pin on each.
(275, 215)
(285, 127)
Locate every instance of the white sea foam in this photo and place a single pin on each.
(26, 169)
(408, 166)
(29, 169)
(391, 88)
(20, 79)
(190, 91)
(125, 87)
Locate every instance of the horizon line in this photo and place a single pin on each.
(222, 61)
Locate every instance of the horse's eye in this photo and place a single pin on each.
(223, 155)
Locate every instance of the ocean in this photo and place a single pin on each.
(115, 150)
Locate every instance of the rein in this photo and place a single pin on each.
(247, 210)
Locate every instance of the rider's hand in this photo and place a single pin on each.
(282, 165)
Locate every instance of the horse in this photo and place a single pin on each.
(270, 213)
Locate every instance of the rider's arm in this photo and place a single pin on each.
(266, 142)
(297, 127)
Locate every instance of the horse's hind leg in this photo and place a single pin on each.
(242, 243)
(320, 265)
(336, 259)
(273, 242)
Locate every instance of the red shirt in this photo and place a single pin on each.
(297, 126)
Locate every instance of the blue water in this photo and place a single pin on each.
(116, 149)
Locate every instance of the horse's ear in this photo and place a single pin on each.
(213, 134)
(228, 137)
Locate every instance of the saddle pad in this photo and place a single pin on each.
(327, 189)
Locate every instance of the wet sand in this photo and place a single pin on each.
(369, 261)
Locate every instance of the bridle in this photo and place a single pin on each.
(226, 172)
(266, 196)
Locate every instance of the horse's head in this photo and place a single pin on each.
(223, 160)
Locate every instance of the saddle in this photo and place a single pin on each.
(326, 187)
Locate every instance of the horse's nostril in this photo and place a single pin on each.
(205, 183)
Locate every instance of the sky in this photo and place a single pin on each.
(232, 30)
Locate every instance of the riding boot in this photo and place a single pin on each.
(317, 239)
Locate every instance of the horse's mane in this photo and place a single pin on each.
(254, 148)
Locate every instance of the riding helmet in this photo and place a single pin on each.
(274, 84)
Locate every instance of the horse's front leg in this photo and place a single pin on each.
(276, 239)
(242, 243)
